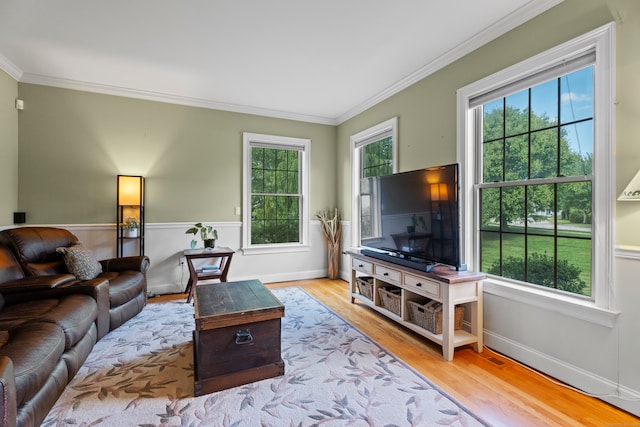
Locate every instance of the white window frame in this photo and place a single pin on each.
(357, 142)
(250, 140)
(600, 310)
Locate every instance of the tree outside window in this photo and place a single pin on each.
(373, 153)
(275, 193)
(275, 196)
(537, 181)
(377, 160)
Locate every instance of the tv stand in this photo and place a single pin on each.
(444, 285)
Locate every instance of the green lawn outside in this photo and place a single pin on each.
(575, 251)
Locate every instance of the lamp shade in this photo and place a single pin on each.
(439, 192)
(632, 191)
(130, 190)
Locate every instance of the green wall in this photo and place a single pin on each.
(427, 109)
(8, 148)
(73, 144)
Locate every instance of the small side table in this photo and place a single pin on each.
(225, 254)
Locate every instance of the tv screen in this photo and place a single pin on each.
(412, 218)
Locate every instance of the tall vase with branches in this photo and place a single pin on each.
(332, 232)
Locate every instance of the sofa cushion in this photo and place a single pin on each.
(15, 315)
(80, 262)
(74, 314)
(35, 349)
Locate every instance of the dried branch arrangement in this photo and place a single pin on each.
(331, 226)
(332, 231)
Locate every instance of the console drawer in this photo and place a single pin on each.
(388, 273)
(423, 286)
(363, 266)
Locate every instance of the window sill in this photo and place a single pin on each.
(579, 309)
(275, 249)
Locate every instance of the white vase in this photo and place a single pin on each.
(131, 232)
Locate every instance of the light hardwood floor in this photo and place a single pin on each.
(496, 389)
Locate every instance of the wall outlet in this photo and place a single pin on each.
(237, 210)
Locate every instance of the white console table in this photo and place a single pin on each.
(443, 285)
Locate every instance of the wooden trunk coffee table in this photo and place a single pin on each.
(237, 339)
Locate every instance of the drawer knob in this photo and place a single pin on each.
(360, 266)
(418, 284)
(243, 336)
(385, 274)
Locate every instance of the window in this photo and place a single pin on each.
(536, 153)
(275, 192)
(376, 157)
(373, 153)
(536, 181)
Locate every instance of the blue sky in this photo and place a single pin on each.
(576, 103)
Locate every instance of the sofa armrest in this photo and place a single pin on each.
(8, 405)
(136, 263)
(98, 289)
(37, 283)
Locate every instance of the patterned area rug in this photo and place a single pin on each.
(142, 374)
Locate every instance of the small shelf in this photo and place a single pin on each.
(130, 204)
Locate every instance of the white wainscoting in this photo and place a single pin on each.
(164, 243)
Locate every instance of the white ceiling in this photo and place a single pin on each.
(318, 61)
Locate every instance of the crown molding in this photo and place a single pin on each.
(10, 68)
(511, 21)
(506, 24)
(168, 98)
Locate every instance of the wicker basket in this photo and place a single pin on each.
(365, 286)
(428, 315)
(390, 299)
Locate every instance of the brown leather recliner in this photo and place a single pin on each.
(48, 326)
(35, 250)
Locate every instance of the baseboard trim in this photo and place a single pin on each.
(591, 384)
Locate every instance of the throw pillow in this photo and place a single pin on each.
(80, 262)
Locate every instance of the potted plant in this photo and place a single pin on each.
(416, 220)
(131, 226)
(207, 233)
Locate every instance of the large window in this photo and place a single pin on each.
(373, 153)
(536, 153)
(275, 191)
(535, 189)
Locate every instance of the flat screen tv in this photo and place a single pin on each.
(412, 218)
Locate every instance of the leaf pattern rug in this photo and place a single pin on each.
(141, 374)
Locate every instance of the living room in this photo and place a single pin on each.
(61, 155)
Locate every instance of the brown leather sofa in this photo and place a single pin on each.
(35, 250)
(50, 320)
